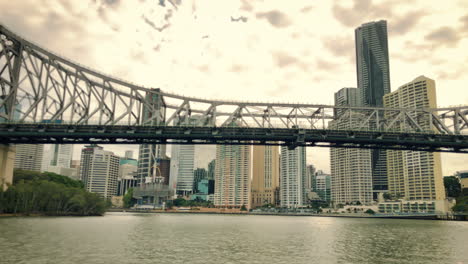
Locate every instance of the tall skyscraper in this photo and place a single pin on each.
(182, 166)
(293, 178)
(29, 157)
(232, 176)
(211, 170)
(415, 175)
(265, 175)
(186, 158)
(310, 170)
(345, 97)
(373, 76)
(59, 156)
(322, 185)
(373, 71)
(150, 154)
(351, 174)
(99, 170)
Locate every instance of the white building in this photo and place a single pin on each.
(57, 156)
(351, 171)
(29, 157)
(99, 170)
(293, 178)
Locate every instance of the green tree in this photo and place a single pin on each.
(462, 205)
(387, 196)
(128, 199)
(369, 211)
(243, 208)
(452, 186)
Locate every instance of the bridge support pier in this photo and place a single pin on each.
(7, 162)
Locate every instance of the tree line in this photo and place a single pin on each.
(50, 194)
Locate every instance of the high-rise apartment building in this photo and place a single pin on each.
(29, 157)
(293, 178)
(99, 170)
(351, 174)
(310, 171)
(232, 176)
(416, 175)
(373, 76)
(373, 71)
(345, 97)
(265, 175)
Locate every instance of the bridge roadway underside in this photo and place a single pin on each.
(292, 137)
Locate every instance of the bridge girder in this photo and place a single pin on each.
(39, 86)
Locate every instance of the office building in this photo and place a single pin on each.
(373, 76)
(198, 175)
(29, 157)
(211, 170)
(416, 175)
(310, 171)
(322, 185)
(265, 175)
(58, 156)
(293, 192)
(150, 154)
(182, 166)
(232, 176)
(99, 170)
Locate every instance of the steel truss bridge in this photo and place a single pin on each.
(46, 98)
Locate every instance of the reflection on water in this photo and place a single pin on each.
(184, 238)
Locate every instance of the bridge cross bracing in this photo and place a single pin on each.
(46, 98)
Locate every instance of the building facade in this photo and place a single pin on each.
(351, 174)
(29, 157)
(293, 178)
(265, 175)
(463, 177)
(322, 185)
(416, 175)
(182, 166)
(150, 154)
(373, 75)
(232, 176)
(99, 170)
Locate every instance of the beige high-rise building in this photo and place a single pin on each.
(265, 175)
(232, 176)
(416, 175)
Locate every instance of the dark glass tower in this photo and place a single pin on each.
(373, 76)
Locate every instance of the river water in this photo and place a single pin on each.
(188, 238)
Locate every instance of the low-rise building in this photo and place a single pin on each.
(463, 177)
(416, 206)
(152, 194)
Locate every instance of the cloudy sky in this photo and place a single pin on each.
(289, 51)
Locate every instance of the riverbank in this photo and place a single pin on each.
(346, 215)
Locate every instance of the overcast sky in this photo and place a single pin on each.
(289, 51)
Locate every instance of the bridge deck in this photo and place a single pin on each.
(100, 134)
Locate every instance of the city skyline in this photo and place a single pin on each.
(297, 74)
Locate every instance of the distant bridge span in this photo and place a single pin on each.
(46, 98)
